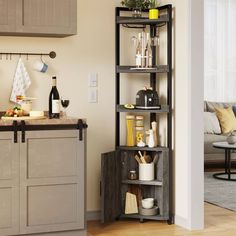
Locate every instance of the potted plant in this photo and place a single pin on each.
(136, 5)
(153, 11)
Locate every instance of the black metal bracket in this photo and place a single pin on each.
(15, 131)
(80, 126)
(23, 131)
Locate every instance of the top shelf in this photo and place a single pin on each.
(141, 20)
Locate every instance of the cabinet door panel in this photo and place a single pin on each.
(43, 199)
(7, 16)
(43, 152)
(9, 184)
(110, 187)
(47, 16)
(51, 202)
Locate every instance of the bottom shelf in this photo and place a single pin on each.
(138, 216)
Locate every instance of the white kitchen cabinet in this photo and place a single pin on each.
(42, 182)
(7, 16)
(9, 185)
(52, 18)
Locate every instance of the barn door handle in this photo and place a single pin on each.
(23, 131)
(15, 131)
(81, 126)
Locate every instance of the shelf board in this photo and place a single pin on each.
(138, 216)
(133, 69)
(156, 149)
(164, 109)
(142, 20)
(140, 182)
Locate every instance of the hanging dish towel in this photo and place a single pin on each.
(21, 82)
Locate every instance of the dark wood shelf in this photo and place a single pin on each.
(164, 109)
(156, 149)
(140, 182)
(138, 216)
(133, 69)
(142, 20)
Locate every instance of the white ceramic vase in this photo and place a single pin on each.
(231, 139)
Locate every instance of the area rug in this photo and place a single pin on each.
(219, 192)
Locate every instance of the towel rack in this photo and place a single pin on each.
(51, 54)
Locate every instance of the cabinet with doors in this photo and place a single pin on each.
(42, 179)
(52, 18)
(115, 166)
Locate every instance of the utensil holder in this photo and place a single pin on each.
(146, 171)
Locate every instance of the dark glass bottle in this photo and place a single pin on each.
(54, 100)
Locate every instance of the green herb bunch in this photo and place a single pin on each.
(153, 4)
(136, 4)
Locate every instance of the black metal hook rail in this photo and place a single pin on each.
(51, 54)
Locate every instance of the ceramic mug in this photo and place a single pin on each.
(40, 66)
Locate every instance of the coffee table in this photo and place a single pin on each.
(228, 149)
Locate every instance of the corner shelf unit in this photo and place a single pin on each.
(116, 165)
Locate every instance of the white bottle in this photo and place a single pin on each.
(154, 128)
(151, 143)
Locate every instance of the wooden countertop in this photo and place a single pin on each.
(47, 121)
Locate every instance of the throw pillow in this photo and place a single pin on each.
(211, 123)
(234, 110)
(227, 119)
(211, 106)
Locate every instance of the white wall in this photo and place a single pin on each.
(93, 50)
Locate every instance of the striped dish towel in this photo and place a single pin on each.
(21, 82)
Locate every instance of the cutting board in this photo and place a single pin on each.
(24, 118)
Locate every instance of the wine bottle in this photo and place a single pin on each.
(54, 100)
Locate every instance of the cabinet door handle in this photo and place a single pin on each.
(81, 126)
(23, 131)
(15, 131)
(23, 12)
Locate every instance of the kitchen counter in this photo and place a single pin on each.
(47, 121)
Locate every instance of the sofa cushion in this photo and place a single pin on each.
(227, 119)
(211, 123)
(234, 110)
(205, 106)
(210, 106)
(212, 138)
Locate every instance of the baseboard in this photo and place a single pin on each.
(93, 215)
(182, 222)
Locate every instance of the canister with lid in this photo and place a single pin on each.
(130, 130)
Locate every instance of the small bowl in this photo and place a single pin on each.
(148, 203)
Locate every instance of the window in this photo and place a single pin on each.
(220, 50)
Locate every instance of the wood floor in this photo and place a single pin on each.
(218, 222)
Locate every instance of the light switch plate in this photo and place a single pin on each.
(93, 79)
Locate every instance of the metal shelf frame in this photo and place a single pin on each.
(167, 20)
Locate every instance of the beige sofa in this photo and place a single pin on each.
(212, 133)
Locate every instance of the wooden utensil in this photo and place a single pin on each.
(148, 159)
(155, 160)
(142, 157)
(138, 159)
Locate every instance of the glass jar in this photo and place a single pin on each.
(139, 121)
(133, 175)
(130, 130)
